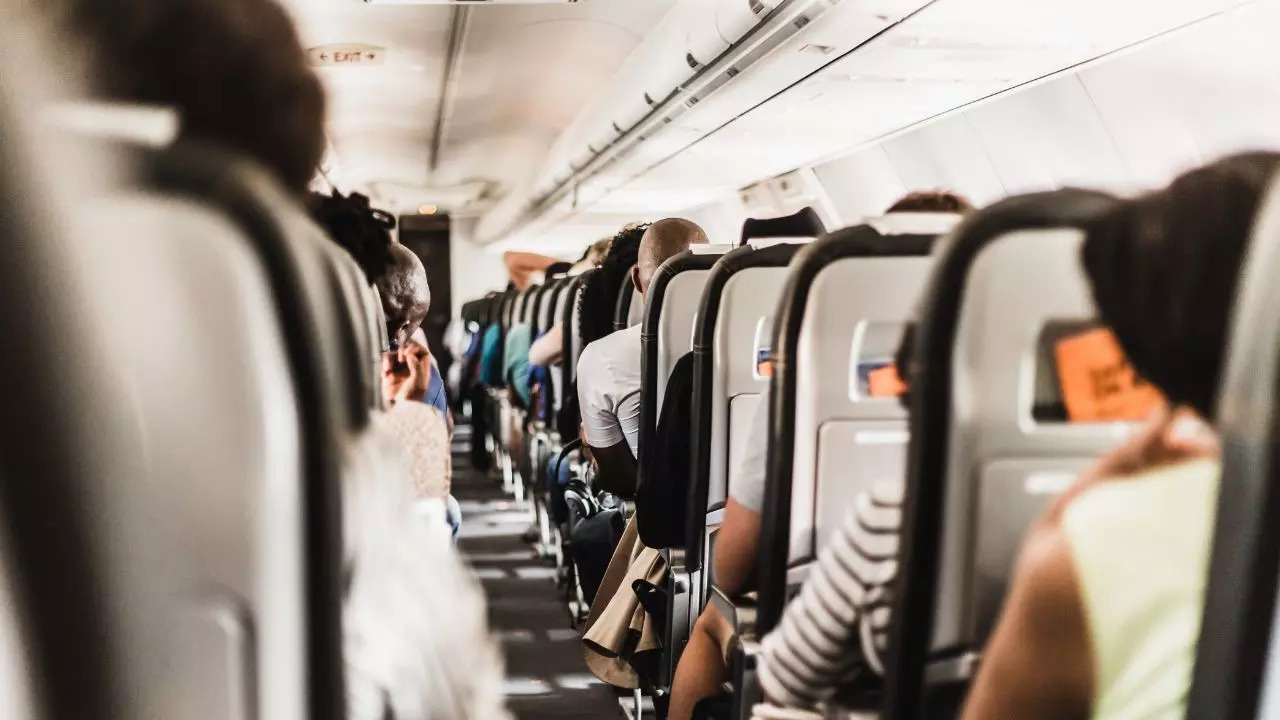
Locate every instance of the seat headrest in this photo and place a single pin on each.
(914, 223)
(804, 223)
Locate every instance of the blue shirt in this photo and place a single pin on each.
(491, 357)
(436, 396)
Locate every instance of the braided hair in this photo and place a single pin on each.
(361, 230)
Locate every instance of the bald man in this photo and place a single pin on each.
(406, 299)
(609, 369)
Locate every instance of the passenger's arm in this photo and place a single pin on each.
(814, 649)
(737, 547)
(615, 469)
(522, 265)
(606, 443)
(1037, 663)
(547, 349)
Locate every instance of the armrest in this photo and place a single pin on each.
(739, 612)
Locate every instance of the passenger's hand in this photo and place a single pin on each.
(1170, 435)
(406, 373)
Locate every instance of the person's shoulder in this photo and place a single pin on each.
(611, 347)
(1123, 500)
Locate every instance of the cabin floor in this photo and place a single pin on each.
(546, 676)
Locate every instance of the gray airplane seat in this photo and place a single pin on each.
(839, 320)
(731, 331)
(314, 286)
(69, 454)
(545, 319)
(630, 308)
(667, 333)
(990, 445)
(200, 365)
(563, 297)
(514, 466)
(367, 318)
(1237, 671)
(666, 336)
(835, 326)
(566, 373)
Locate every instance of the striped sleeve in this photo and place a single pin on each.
(838, 624)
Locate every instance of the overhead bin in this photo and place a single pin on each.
(703, 41)
(665, 58)
(735, 18)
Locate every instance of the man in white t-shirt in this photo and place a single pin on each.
(609, 368)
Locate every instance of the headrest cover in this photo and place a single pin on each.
(762, 243)
(153, 126)
(703, 249)
(914, 223)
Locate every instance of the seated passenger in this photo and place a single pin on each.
(1103, 614)
(549, 347)
(401, 282)
(415, 637)
(609, 369)
(406, 300)
(703, 667)
(235, 71)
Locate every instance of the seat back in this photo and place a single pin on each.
(305, 271)
(545, 317)
(509, 303)
(805, 223)
(524, 309)
(635, 313)
(847, 299)
(235, 458)
(61, 663)
(562, 372)
(740, 295)
(1237, 672)
(211, 519)
(667, 335)
(572, 345)
(981, 468)
(366, 321)
(630, 305)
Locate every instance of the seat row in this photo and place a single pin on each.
(986, 437)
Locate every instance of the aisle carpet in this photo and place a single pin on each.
(546, 678)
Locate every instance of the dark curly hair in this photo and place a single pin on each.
(939, 201)
(358, 228)
(599, 298)
(235, 70)
(1163, 268)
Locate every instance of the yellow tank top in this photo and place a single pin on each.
(1141, 551)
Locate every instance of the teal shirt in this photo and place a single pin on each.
(516, 362)
(491, 357)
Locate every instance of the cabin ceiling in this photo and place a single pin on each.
(523, 73)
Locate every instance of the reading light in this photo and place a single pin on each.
(428, 210)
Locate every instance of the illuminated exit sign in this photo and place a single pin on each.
(346, 55)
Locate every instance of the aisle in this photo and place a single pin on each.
(546, 678)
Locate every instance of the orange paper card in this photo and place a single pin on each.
(885, 382)
(1098, 383)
